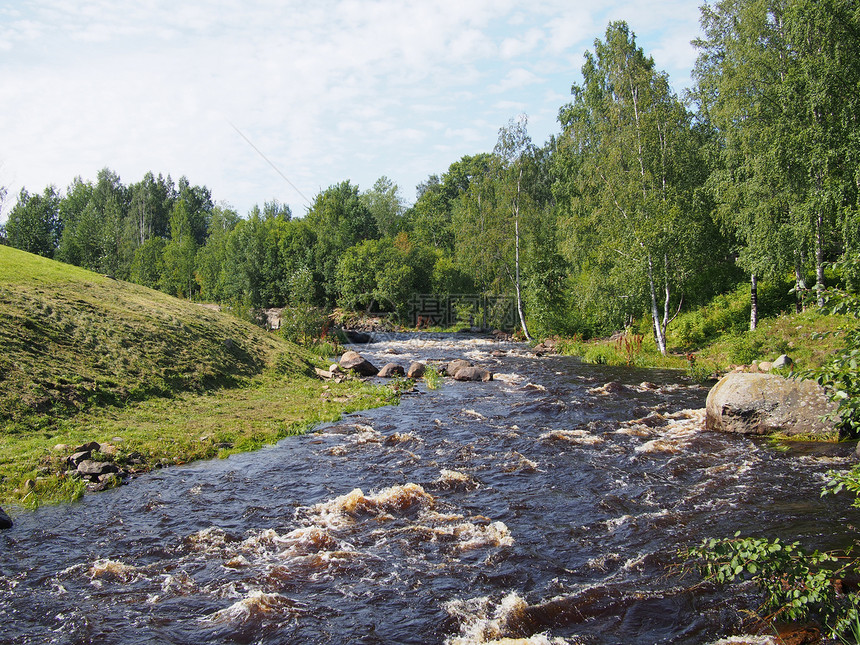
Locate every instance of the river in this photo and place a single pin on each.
(547, 505)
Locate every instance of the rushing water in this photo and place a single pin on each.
(547, 505)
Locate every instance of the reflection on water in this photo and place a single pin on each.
(546, 506)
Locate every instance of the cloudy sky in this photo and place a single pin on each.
(326, 90)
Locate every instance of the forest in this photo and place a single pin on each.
(644, 204)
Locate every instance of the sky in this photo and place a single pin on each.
(263, 100)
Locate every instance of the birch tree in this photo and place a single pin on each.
(778, 80)
(629, 209)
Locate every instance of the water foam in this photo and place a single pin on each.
(342, 511)
(255, 606)
(106, 568)
(680, 430)
(504, 624)
(576, 437)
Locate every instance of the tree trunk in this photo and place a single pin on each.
(667, 296)
(819, 259)
(753, 302)
(655, 314)
(799, 284)
(517, 260)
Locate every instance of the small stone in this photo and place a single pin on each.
(62, 447)
(92, 446)
(78, 457)
(783, 361)
(90, 468)
(111, 480)
(765, 366)
(5, 521)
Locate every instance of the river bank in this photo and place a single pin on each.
(161, 432)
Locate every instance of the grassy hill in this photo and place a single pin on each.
(70, 338)
(155, 379)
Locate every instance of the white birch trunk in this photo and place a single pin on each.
(659, 337)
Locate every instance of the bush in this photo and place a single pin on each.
(797, 585)
(302, 324)
(840, 376)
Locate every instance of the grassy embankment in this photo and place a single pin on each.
(86, 358)
(717, 338)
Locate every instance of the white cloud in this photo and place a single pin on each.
(514, 80)
(327, 91)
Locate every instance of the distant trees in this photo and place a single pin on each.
(34, 223)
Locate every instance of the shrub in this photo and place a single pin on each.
(302, 324)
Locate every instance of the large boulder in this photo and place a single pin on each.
(354, 361)
(750, 403)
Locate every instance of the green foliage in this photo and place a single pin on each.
(303, 324)
(432, 377)
(797, 585)
(840, 375)
(385, 204)
(631, 166)
(340, 221)
(34, 223)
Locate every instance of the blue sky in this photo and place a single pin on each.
(326, 90)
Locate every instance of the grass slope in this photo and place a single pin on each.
(160, 380)
(70, 338)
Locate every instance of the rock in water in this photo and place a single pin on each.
(391, 369)
(750, 403)
(455, 366)
(473, 374)
(5, 520)
(416, 370)
(354, 361)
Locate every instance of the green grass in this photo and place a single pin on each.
(71, 339)
(717, 336)
(809, 338)
(631, 350)
(86, 358)
(190, 426)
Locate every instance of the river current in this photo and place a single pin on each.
(547, 505)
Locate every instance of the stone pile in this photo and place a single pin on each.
(459, 370)
(92, 463)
